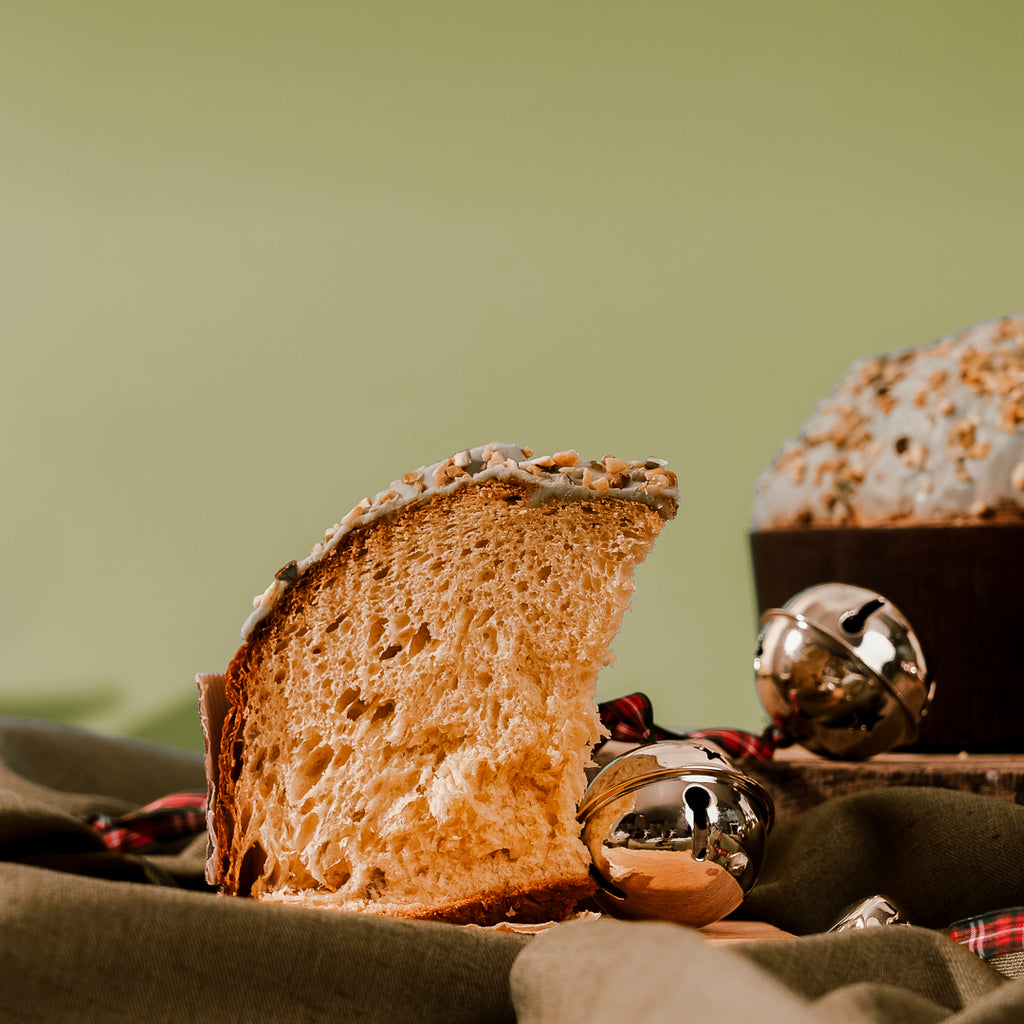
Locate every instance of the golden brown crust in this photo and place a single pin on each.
(227, 767)
(543, 904)
(553, 902)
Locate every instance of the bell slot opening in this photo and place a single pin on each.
(698, 799)
(853, 622)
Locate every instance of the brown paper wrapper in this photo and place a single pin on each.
(961, 588)
(213, 707)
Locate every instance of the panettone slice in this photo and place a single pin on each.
(408, 720)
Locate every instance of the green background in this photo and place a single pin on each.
(257, 260)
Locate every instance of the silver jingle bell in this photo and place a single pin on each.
(675, 832)
(872, 912)
(840, 670)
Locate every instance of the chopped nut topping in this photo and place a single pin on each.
(962, 433)
(915, 455)
(826, 466)
(787, 455)
(567, 459)
(960, 399)
(288, 572)
(849, 432)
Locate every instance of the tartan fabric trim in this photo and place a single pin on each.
(630, 719)
(736, 743)
(996, 934)
(162, 821)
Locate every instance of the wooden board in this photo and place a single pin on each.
(799, 780)
(719, 932)
(743, 931)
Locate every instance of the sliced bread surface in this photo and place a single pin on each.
(411, 712)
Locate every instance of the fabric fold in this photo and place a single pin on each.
(653, 972)
(89, 950)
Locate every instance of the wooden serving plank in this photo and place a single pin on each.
(799, 780)
(719, 931)
(743, 931)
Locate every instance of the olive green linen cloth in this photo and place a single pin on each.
(87, 934)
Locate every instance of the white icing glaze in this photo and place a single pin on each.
(563, 475)
(921, 434)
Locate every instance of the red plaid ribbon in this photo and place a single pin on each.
(631, 720)
(997, 937)
(155, 824)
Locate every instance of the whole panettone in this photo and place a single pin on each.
(908, 479)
